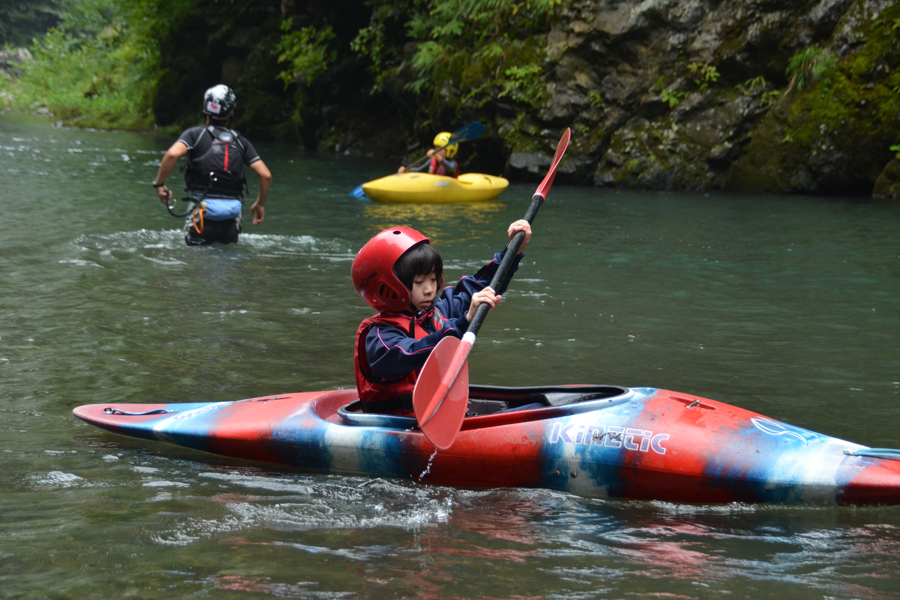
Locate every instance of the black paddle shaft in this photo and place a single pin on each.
(506, 264)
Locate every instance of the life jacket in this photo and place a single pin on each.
(218, 172)
(372, 391)
(437, 168)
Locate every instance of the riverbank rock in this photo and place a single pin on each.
(887, 186)
(695, 95)
(748, 95)
(691, 94)
(11, 60)
(660, 94)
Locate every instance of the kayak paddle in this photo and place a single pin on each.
(359, 193)
(463, 134)
(441, 395)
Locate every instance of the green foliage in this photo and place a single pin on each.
(101, 67)
(768, 97)
(96, 82)
(23, 20)
(480, 49)
(751, 85)
(672, 98)
(523, 84)
(706, 74)
(86, 18)
(895, 148)
(307, 52)
(660, 83)
(810, 65)
(371, 41)
(595, 98)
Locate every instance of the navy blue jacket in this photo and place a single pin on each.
(392, 353)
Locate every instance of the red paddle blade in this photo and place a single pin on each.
(441, 394)
(557, 157)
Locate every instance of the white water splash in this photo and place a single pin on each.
(428, 467)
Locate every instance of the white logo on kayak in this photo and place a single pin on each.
(639, 440)
(441, 183)
(775, 428)
(199, 411)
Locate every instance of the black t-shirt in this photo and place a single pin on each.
(198, 145)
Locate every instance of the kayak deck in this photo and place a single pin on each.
(601, 441)
(435, 189)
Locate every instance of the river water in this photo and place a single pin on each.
(788, 306)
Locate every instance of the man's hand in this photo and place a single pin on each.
(164, 193)
(258, 210)
(258, 213)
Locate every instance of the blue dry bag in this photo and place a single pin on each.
(221, 210)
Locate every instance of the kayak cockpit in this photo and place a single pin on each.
(496, 405)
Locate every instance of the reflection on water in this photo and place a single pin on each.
(439, 221)
(786, 306)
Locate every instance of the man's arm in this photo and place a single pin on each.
(258, 210)
(176, 151)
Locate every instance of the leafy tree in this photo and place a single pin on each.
(307, 52)
(23, 20)
(99, 68)
(468, 51)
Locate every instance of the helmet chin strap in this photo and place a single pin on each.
(424, 314)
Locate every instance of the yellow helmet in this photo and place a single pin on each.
(442, 139)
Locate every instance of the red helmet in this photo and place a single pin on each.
(373, 268)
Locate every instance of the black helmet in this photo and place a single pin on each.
(218, 102)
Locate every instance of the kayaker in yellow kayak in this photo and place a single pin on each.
(440, 155)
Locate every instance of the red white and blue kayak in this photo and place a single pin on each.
(603, 441)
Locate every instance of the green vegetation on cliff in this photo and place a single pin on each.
(22, 20)
(97, 68)
(745, 95)
(830, 104)
(115, 63)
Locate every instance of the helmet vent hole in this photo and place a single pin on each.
(385, 292)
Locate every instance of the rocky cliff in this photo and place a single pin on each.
(782, 96)
(694, 95)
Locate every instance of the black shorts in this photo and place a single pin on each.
(225, 232)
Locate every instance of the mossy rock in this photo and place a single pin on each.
(887, 186)
(834, 136)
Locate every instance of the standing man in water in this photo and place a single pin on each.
(215, 176)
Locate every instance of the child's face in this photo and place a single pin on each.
(424, 288)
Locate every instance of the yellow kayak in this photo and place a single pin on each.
(423, 187)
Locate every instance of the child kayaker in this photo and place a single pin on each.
(400, 274)
(440, 155)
